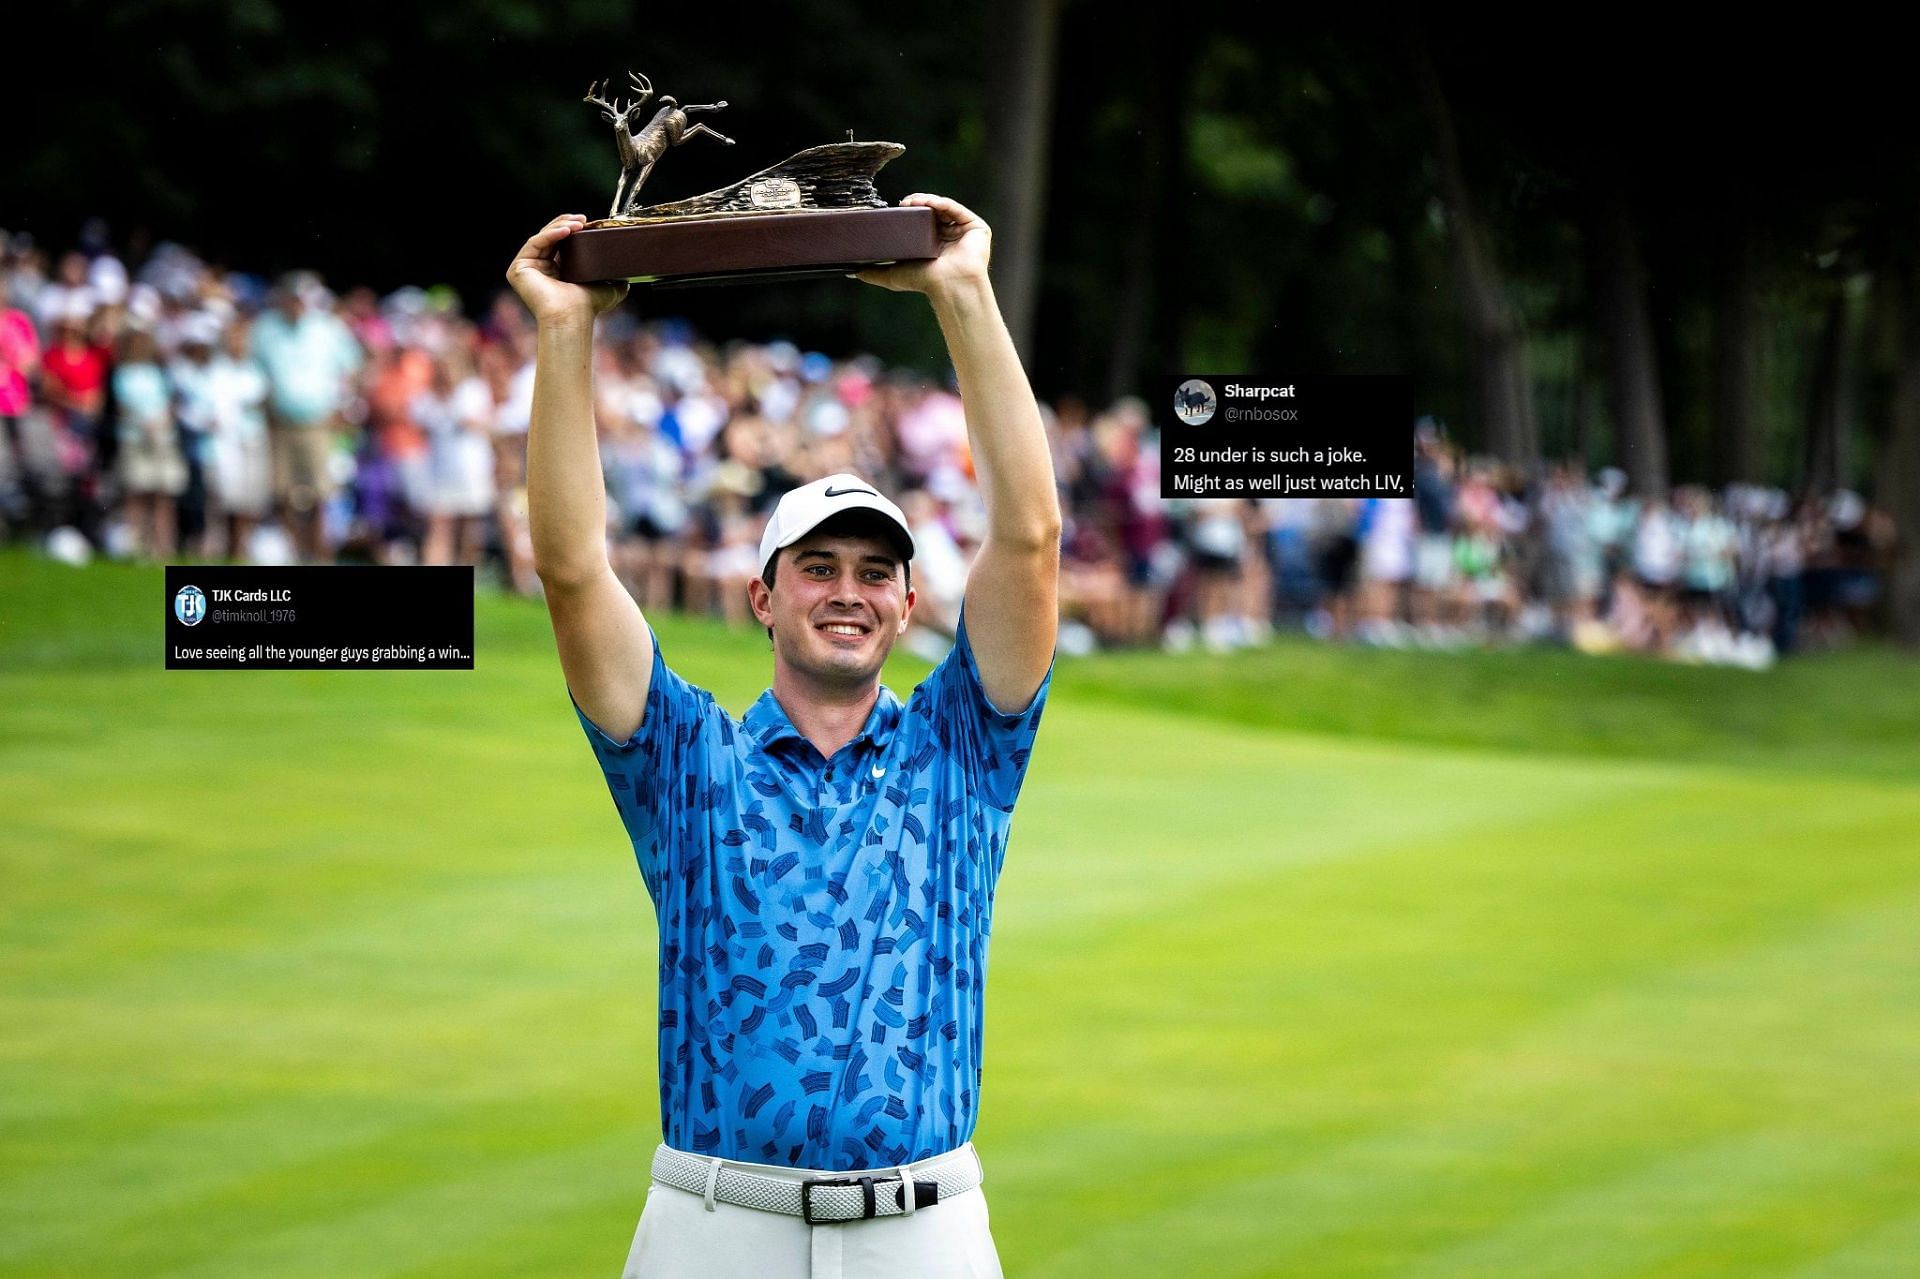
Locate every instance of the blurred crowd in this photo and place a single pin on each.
(162, 407)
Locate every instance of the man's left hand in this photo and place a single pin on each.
(966, 244)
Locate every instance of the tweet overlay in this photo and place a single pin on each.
(322, 618)
(1241, 435)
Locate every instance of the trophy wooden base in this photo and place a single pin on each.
(746, 247)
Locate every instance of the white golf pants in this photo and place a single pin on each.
(679, 1238)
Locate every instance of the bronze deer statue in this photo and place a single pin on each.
(640, 149)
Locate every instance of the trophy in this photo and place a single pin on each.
(814, 213)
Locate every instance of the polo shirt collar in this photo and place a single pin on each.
(766, 720)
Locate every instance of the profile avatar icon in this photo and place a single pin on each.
(190, 605)
(1194, 402)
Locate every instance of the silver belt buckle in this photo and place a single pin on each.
(806, 1199)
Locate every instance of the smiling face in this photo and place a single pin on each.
(837, 605)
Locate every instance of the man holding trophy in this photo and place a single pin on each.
(823, 868)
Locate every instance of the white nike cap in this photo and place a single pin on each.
(804, 509)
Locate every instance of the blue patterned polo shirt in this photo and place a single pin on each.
(823, 922)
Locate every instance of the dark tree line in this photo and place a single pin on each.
(1692, 256)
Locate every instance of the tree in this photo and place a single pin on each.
(1736, 337)
(1640, 432)
(1898, 471)
(1825, 467)
(1020, 75)
(1494, 325)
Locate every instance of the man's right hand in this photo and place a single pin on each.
(531, 274)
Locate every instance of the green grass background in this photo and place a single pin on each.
(1306, 962)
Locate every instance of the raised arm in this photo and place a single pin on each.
(605, 648)
(1012, 599)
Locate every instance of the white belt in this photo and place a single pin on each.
(838, 1197)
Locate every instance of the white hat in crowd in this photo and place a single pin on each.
(200, 328)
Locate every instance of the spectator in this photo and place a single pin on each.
(456, 411)
(391, 475)
(1708, 544)
(239, 473)
(1336, 539)
(1433, 498)
(1571, 557)
(1657, 555)
(67, 294)
(308, 355)
(1784, 556)
(153, 471)
(20, 497)
(1389, 529)
(1217, 541)
(191, 376)
(646, 501)
(74, 374)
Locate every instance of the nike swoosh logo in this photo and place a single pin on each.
(833, 492)
(879, 771)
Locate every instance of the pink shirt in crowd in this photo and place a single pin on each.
(19, 351)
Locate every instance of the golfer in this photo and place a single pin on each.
(822, 869)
